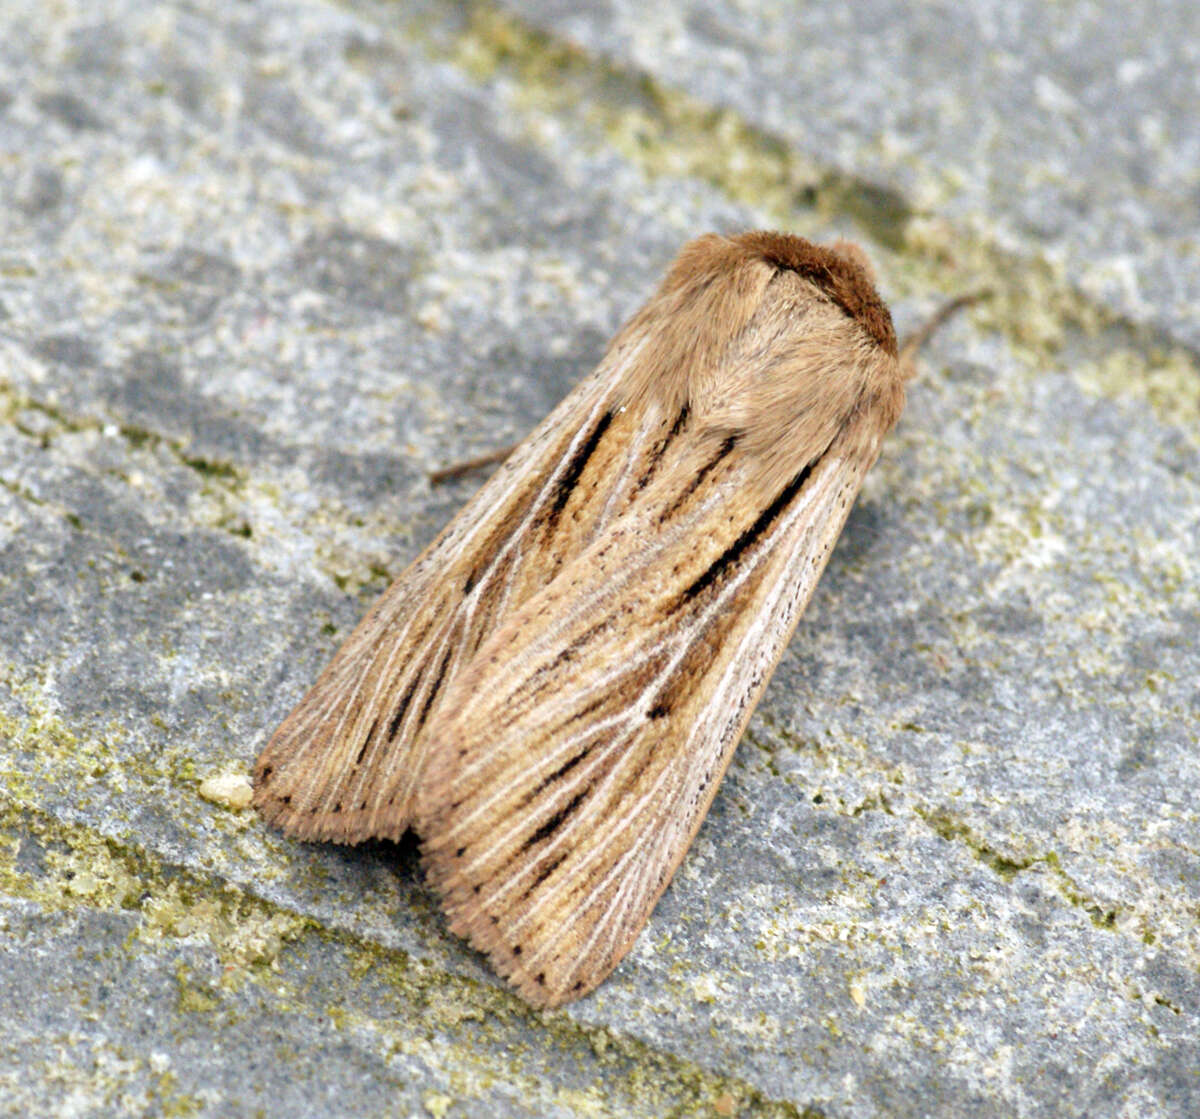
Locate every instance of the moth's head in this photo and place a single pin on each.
(769, 338)
(842, 272)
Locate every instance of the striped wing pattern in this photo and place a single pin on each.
(558, 806)
(552, 692)
(345, 764)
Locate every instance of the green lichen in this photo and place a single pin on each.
(666, 132)
(218, 478)
(16, 269)
(1109, 916)
(954, 830)
(217, 469)
(355, 574)
(76, 866)
(242, 932)
(1168, 380)
(43, 754)
(113, 1080)
(194, 997)
(251, 941)
(1102, 915)
(43, 751)
(628, 1077)
(58, 422)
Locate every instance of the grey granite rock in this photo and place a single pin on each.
(263, 266)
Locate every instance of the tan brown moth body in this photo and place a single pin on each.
(552, 692)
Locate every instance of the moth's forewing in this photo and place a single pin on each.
(576, 755)
(344, 763)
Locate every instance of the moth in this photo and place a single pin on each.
(553, 690)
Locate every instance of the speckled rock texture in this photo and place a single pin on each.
(1066, 129)
(263, 266)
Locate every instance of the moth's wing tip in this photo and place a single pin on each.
(275, 809)
(348, 828)
(269, 797)
(543, 989)
(286, 800)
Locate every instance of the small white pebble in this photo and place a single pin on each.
(230, 789)
(433, 318)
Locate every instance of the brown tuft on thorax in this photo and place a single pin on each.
(841, 271)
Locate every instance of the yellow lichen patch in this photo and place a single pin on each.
(1167, 380)
(194, 997)
(85, 870)
(661, 130)
(1028, 299)
(437, 1104)
(42, 748)
(77, 866)
(89, 1076)
(242, 931)
(1028, 537)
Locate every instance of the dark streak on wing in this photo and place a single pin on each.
(733, 553)
(366, 742)
(631, 782)
(582, 753)
(437, 683)
(680, 423)
(398, 718)
(656, 455)
(573, 649)
(538, 681)
(545, 873)
(582, 713)
(566, 484)
(726, 446)
(555, 822)
(561, 771)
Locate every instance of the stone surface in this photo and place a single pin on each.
(1065, 129)
(263, 266)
